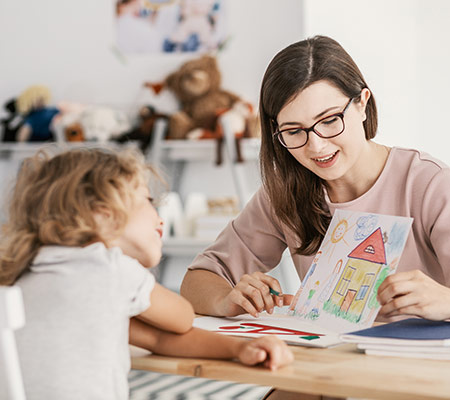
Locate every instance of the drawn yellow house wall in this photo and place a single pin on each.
(358, 277)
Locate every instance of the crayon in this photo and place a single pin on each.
(274, 292)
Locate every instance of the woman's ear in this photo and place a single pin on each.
(362, 104)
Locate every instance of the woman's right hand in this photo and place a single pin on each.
(252, 295)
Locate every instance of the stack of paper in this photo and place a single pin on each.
(413, 337)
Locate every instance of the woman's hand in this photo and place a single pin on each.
(252, 295)
(414, 293)
(269, 350)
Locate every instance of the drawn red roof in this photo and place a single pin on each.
(371, 249)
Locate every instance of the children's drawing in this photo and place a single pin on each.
(350, 295)
(254, 328)
(289, 329)
(365, 225)
(339, 291)
(337, 235)
(306, 279)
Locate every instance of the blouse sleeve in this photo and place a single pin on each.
(436, 221)
(251, 242)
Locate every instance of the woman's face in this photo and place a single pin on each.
(334, 158)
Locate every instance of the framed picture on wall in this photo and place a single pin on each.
(170, 26)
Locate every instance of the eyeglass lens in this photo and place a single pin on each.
(327, 128)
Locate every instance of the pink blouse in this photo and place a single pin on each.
(412, 184)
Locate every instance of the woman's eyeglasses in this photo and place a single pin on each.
(329, 127)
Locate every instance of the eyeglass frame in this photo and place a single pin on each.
(312, 128)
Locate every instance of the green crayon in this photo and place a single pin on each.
(274, 292)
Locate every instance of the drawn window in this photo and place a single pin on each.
(368, 279)
(345, 282)
(370, 249)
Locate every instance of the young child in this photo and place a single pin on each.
(81, 233)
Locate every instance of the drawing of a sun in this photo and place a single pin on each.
(337, 235)
(339, 231)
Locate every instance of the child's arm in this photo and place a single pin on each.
(270, 351)
(168, 311)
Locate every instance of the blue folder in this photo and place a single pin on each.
(407, 329)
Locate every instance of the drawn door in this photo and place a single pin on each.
(348, 300)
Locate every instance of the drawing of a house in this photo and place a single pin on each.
(354, 286)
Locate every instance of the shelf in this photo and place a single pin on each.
(28, 149)
(204, 149)
(184, 246)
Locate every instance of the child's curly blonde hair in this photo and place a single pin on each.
(55, 199)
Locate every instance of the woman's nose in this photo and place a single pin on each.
(315, 142)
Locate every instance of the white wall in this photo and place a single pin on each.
(67, 45)
(402, 49)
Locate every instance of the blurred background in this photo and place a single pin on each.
(72, 48)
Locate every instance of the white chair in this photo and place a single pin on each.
(12, 317)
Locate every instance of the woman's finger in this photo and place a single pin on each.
(253, 294)
(398, 303)
(236, 297)
(394, 290)
(258, 280)
(275, 293)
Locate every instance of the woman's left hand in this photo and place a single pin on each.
(414, 293)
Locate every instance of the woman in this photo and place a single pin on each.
(318, 119)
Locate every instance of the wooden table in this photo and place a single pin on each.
(340, 371)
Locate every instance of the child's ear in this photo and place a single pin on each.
(105, 223)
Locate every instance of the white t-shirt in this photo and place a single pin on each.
(78, 302)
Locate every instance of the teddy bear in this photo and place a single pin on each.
(197, 87)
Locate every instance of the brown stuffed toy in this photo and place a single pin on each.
(142, 132)
(74, 132)
(196, 85)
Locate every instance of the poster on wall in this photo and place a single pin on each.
(170, 26)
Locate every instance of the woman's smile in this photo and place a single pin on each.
(326, 161)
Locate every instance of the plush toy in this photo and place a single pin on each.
(101, 123)
(74, 132)
(197, 86)
(33, 104)
(12, 123)
(142, 132)
(80, 122)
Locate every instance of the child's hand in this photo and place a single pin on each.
(269, 350)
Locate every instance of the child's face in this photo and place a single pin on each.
(141, 238)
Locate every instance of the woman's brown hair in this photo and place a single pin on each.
(55, 199)
(296, 194)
